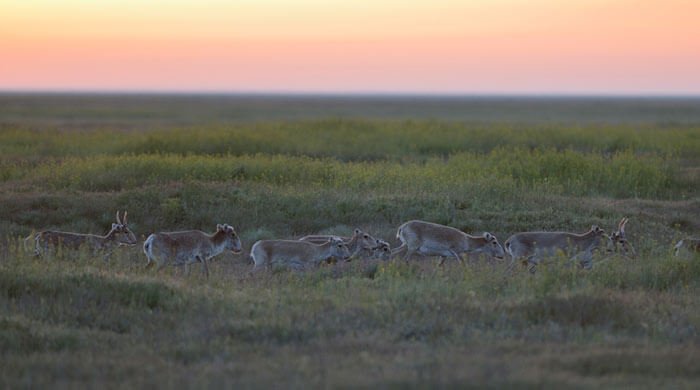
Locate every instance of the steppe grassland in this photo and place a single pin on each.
(624, 323)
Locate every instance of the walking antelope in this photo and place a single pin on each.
(687, 247)
(118, 235)
(192, 246)
(298, 254)
(360, 243)
(438, 240)
(533, 246)
(618, 238)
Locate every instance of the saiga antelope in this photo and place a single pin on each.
(432, 239)
(297, 254)
(618, 238)
(118, 235)
(533, 246)
(190, 246)
(687, 247)
(360, 243)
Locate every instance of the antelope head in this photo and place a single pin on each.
(365, 240)
(121, 232)
(382, 250)
(339, 249)
(231, 240)
(619, 238)
(493, 248)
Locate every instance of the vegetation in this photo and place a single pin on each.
(73, 320)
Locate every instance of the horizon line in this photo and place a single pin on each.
(287, 93)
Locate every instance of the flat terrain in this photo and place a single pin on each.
(284, 167)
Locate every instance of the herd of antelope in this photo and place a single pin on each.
(425, 238)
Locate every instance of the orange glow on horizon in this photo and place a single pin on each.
(442, 46)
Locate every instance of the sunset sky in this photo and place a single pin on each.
(353, 46)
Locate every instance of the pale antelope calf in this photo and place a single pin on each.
(620, 241)
(687, 247)
(49, 239)
(432, 239)
(192, 246)
(360, 243)
(532, 247)
(297, 254)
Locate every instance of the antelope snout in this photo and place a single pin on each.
(236, 248)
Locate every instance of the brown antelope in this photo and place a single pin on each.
(118, 235)
(687, 246)
(360, 243)
(192, 246)
(618, 238)
(432, 239)
(533, 246)
(297, 254)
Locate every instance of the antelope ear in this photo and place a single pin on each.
(378, 241)
(487, 236)
(358, 231)
(219, 227)
(115, 226)
(229, 228)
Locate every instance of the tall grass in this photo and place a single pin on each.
(351, 139)
(503, 170)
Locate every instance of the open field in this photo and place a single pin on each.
(502, 166)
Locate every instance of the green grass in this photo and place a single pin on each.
(350, 139)
(70, 320)
(395, 323)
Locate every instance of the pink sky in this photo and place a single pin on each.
(408, 46)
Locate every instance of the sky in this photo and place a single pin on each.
(614, 47)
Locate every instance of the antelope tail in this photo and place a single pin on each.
(26, 240)
(148, 249)
(507, 245)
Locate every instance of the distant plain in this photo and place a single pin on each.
(286, 166)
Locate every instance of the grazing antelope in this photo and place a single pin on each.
(438, 240)
(687, 247)
(297, 254)
(118, 235)
(360, 243)
(618, 238)
(533, 246)
(178, 248)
